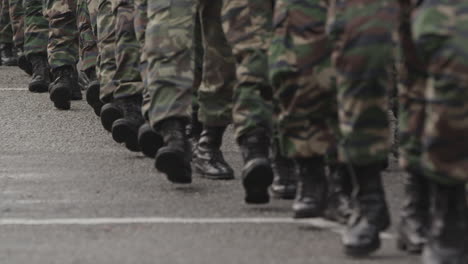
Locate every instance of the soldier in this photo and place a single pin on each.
(62, 50)
(8, 58)
(128, 93)
(433, 98)
(214, 93)
(87, 15)
(170, 79)
(363, 49)
(36, 29)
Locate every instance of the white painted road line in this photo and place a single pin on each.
(316, 223)
(13, 89)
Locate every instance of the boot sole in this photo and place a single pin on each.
(150, 142)
(172, 164)
(61, 98)
(222, 177)
(108, 117)
(311, 213)
(92, 98)
(405, 246)
(359, 252)
(123, 132)
(257, 177)
(282, 195)
(38, 87)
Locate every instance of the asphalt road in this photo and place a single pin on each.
(69, 194)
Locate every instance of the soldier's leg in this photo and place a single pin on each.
(148, 139)
(87, 14)
(412, 82)
(364, 50)
(107, 65)
(302, 76)
(8, 58)
(17, 21)
(214, 93)
(130, 88)
(170, 80)
(62, 51)
(36, 30)
(438, 31)
(247, 25)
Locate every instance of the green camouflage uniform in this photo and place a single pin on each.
(362, 30)
(106, 46)
(87, 12)
(36, 28)
(62, 48)
(6, 31)
(140, 22)
(302, 77)
(168, 46)
(127, 51)
(17, 21)
(218, 67)
(247, 25)
(433, 93)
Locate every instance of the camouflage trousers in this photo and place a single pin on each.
(17, 21)
(217, 67)
(168, 46)
(105, 24)
(62, 48)
(303, 78)
(433, 90)
(6, 31)
(127, 51)
(362, 31)
(36, 28)
(87, 14)
(140, 23)
(247, 24)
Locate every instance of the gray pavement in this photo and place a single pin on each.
(69, 194)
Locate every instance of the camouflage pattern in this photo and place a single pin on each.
(6, 31)
(303, 78)
(218, 67)
(106, 46)
(62, 48)
(17, 21)
(247, 24)
(433, 93)
(36, 28)
(140, 22)
(168, 44)
(362, 30)
(127, 52)
(87, 35)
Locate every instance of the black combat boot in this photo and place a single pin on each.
(257, 174)
(23, 62)
(311, 194)
(414, 214)
(284, 176)
(109, 113)
(339, 194)
(174, 158)
(41, 74)
(370, 212)
(150, 141)
(76, 94)
(7, 55)
(446, 242)
(60, 89)
(194, 128)
(126, 128)
(208, 160)
(93, 92)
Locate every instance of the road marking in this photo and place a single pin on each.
(13, 89)
(315, 223)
